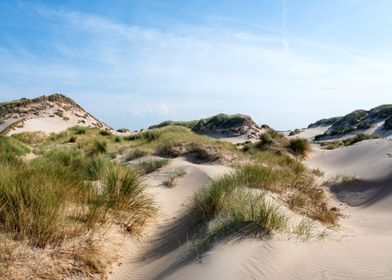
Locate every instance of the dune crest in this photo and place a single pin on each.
(53, 113)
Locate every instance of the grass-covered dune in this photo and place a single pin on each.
(187, 124)
(325, 122)
(357, 120)
(221, 123)
(64, 188)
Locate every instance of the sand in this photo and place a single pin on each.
(53, 119)
(361, 248)
(308, 133)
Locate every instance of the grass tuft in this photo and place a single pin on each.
(300, 147)
(149, 166)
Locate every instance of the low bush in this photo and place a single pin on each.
(300, 147)
(105, 133)
(199, 154)
(78, 130)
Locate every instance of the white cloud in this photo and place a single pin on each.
(190, 71)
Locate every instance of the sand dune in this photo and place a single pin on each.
(360, 249)
(50, 114)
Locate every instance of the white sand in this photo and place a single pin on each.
(47, 121)
(309, 133)
(360, 249)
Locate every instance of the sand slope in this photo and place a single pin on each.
(48, 114)
(360, 249)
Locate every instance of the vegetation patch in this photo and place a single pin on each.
(187, 124)
(279, 144)
(238, 200)
(388, 124)
(226, 212)
(134, 154)
(222, 122)
(330, 145)
(52, 198)
(174, 176)
(149, 166)
(31, 138)
(300, 147)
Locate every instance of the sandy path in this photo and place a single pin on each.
(360, 249)
(166, 249)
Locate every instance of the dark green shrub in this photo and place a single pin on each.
(300, 147)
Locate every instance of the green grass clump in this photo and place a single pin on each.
(125, 193)
(330, 145)
(105, 133)
(230, 199)
(358, 138)
(200, 154)
(209, 201)
(300, 147)
(279, 144)
(96, 166)
(99, 147)
(30, 138)
(134, 154)
(152, 165)
(229, 211)
(50, 199)
(33, 204)
(78, 130)
(9, 145)
(11, 149)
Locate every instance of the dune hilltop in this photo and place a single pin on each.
(376, 121)
(216, 198)
(233, 128)
(53, 113)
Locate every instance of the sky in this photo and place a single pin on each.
(133, 63)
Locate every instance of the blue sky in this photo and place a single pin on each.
(134, 63)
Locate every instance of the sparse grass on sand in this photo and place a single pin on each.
(151, 165)
(331, 145)
(238, 200)
(174, 176)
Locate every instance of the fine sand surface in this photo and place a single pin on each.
(361, 248)
(47, 125)
(308, 133)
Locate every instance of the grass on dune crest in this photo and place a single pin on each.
(330, 145)
(174, 141)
